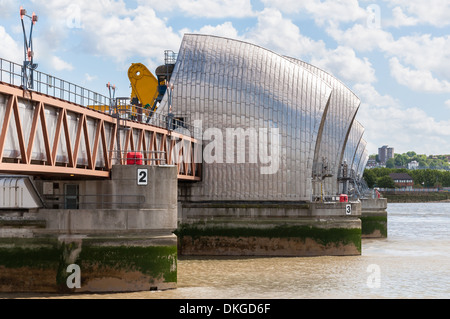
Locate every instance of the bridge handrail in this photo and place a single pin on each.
(173, 122)
(44, 83)
(11, 73)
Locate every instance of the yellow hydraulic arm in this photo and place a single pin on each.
(144, 85)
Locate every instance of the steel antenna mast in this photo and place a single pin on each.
(28, 65)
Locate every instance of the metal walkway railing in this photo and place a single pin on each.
(41, 135)
(11, 73)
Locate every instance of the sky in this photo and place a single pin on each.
(393, 54)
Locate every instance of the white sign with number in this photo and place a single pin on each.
(348, 209)
(142, 176)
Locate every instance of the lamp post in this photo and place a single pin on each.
(28, 65)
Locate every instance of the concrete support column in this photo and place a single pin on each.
(122, 248)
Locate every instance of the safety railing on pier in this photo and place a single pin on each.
(139, 157)
(171, 121)
(415, 190)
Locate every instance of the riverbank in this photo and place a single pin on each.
(416, 197)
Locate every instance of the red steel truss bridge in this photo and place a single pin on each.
(60, 129)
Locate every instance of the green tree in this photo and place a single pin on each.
(370, 177)
(381, 171)
(385, 182)
(390, 163)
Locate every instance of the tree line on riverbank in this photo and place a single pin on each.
(379, 177)
(423, 161)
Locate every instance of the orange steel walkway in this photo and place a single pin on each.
(87, 149)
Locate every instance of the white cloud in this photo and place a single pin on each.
(361, 37)
(432, 12)
(328, 11)
(386, 121)
(223, 30)
(9, 49)
(204, 8)
(216, 8)
(447, 104)
(418, 80)
(281, 35)
(345, 65)
(273, 31)
(373, 97)
(399, 19)
(110, 29)
(59, 64)
(90, 78)
(423, 52)
(7, 8)
(419, 61)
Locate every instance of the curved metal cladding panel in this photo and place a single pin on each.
(355, 136)
(338, 121)
(359, 156)
(230, 85)
(362, 164)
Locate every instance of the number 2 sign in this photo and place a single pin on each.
(142, 176)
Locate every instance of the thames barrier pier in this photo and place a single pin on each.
(230, 150)
(270, 229)
(279, 153)
(122, 241)
(374, 217)
(88, 190)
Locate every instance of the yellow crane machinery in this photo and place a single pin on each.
(144, 86)
(144, 91)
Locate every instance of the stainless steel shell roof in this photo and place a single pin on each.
(354, 138)
(339, 117)
(230, 84)
(362, 164)
(358, 162)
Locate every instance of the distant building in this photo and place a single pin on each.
(402, 180)
(371, 163)
(413, 165)
(385, 153)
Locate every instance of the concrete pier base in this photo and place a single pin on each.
(269, 229)
(374, 218)
(106, 264)
(122, 248)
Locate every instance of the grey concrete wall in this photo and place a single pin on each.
(269, 229)
(136, 245)
(212, 210)
(373, 204)
(106, 220)
(374, 219)
(121, 191)
(161, 191)
(121, 204)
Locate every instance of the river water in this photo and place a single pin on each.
(413, 262)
